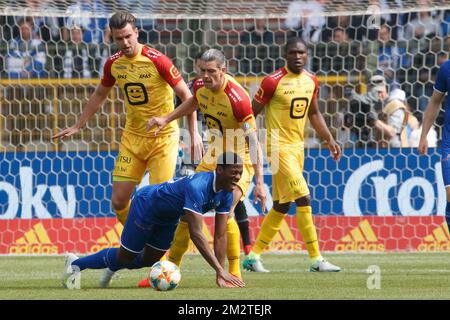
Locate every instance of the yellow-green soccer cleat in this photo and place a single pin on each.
(254, 265)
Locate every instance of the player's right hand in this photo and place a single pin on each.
(423, 146)
(66, 132)
(227, 280)
(160, 122)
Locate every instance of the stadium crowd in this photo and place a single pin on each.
(405, 48)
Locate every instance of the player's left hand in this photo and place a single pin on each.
(227, 280)
(160, 122)
(259, 193)
(335, 150)
(197, 150)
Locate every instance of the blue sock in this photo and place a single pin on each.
(107, 258)
(447, 215)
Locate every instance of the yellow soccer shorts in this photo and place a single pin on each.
(209, 164)
(156, 154)
(288, 183)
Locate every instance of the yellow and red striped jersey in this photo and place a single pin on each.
(146, 81)
(229, 108)
(288, 96)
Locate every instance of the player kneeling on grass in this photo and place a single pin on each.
(154, 215)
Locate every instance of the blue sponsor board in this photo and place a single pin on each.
(363, 182)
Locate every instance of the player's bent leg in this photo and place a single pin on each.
(233, 238)
(156, 246)
(180, 243)
(308, 231)
(241, 216)
(122, 190)
(150, 256)
(233, 247)
(269, 228)
(178, 248)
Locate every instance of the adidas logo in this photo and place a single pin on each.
(34, 241)
(360, 238)
(284, 240)
(110, 239)
(438, 240)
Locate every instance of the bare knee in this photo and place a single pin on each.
(281, 207)
(303, 201)
(119, 202)
(125, 257)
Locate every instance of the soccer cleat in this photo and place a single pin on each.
(144, 283)
(106, 278)
(254, 265)
(323, 266)
(68, 277)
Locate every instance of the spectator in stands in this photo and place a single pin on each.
(257, 33)
(423, 88)
(392, 131)
(424, 24)
(146, 26)
(391, 57)
(307, 19)
(255, 44)
(49, 28)
(77, 60)
(404, 128)
(365, 109)
(445, 24)
(340, 36)
(26, 56)
(94, 29)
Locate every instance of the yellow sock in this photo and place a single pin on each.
(233, 247)
(122, 214)
(308, 230)
(269, 228)
(180, 243)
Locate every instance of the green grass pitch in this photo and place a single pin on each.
(402, 276)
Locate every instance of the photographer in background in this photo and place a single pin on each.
(365, 110)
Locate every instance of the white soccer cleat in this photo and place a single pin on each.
(323, 266)
(254, 265)
(106, 278)
(70, 277)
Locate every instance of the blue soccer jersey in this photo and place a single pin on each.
(156, 210)
(165, 203)
(442, 85)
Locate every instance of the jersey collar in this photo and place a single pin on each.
(138, 52)
(295, 74)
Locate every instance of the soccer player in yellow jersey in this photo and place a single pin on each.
(290, 97)
(226, 107)
(147, 79)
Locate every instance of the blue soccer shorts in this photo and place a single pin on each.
(137, 234)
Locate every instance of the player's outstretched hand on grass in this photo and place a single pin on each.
(227, 280)
(66, 132)
(160, 122)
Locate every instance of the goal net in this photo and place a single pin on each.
(381, 196)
